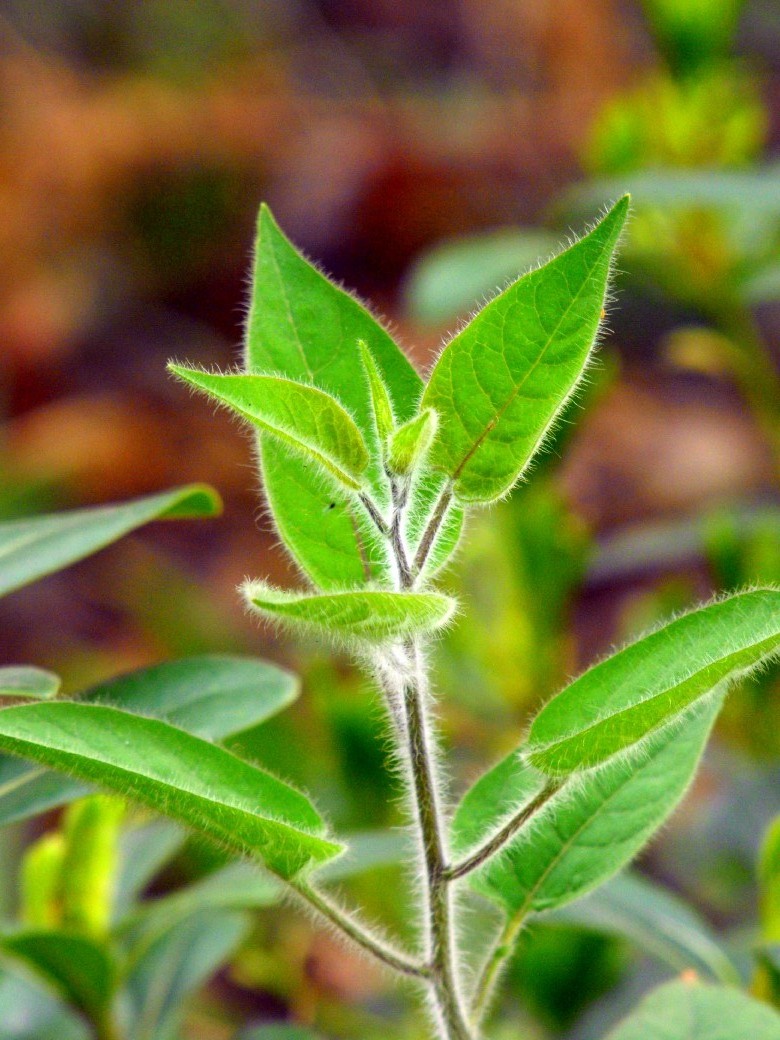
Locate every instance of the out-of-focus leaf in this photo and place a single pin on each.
(174, 966)
(657, 921)
(589, 831)
(30, 549)
(79, 969)
(206, 787)
(279, 1032)
(499, 384)
(213, 696)
(647, 685)
(365, 615)
(696, 1011)
(31, 1012)
(26, 681)
(769, 882)
(456, 276)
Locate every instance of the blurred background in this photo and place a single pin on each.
(422, 154)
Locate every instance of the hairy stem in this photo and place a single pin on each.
(432, 529)
(441, 933)
(359, 934)
(501, 837)
(494, 965)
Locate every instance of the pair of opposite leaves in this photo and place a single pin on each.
(329, 423)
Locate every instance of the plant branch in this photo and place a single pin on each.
(371, 508)
(360, 935)
(432, 529)
(501, 837)
(493, 967)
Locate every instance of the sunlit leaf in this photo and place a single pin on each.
(410, 442)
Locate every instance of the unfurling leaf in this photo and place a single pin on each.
(500, 383)
(302, 417)
(381, 404)
(373, 616)
(236, 804)
(410, 442)
(304, 327)
(650, 683)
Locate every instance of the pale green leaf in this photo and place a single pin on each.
(657, 921)
(26, 681)
(277, 1032)
(692, 1010)
(500, 383)
(619, 701)
(203, 786)
(368, 615)
(304, 327)
(381, 403)
(410, 442)
(30, 549)
(592, 828)
(213, 696)
(301, 417)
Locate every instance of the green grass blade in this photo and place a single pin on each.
(236, 804)
(650, 683)
(500, 383)
(303, 418)
(592, 829)
(25, 681)
(30, 549)
(362, 615)
(212, 696)
(691, 1010)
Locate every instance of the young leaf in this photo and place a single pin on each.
(381, 404)
(30, 549)
(25, 681)
(500, 383)
(364, 614)
(213, 696)
(648, 684)
(203, 786)
(410, 442)
(304, 327)
(695, 1011)
(303, 418)
(592, 828)
(654, 919)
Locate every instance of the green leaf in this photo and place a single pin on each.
(144, 851)
(410, 442)
(30, 549)
(657, 921)
(696, 1011)
(648, 684)
(592, 828)
(381, 404)
(769, 881)
(304, 327)
(303, 418)
(213, 696)
(236, 804)
(174, 966)
(25, 681)
(500, 383)
(365, 615)
(277, 1033)
(80, 970)
(32, 1012)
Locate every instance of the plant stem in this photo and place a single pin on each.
(432, 529)
(438, 896)
(501, 837)
(493, 967)
(360, 935)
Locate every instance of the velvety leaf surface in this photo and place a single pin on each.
(655, 920)
(649, 683)
(304, 327)
(213, 696)
(79, 969)
(695, 1011)
(593, 827)
(411, 441)
(368, 615)
(206, 787)
(303, 418)
(30, 549)
(499, 384)
(26, 681)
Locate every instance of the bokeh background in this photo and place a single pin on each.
(422, 153)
